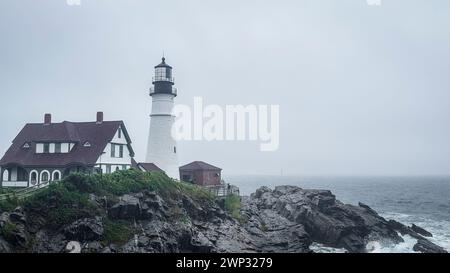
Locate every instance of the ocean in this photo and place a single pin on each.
(422, 200)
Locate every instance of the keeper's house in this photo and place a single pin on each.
(44, 152)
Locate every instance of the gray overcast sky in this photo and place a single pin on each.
(361, 89)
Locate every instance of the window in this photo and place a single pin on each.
(119, 133)
(187, 178)
(33, 178)
(87, 144)
(65, 147)
(113, 150)
(121, 151)
(58, 148)
(46, 148)
(175, 149)
(56, 176)
(108, 168)
(26, 145)
(117, 169)
(39, 148)
(6, 175)
(44, 177)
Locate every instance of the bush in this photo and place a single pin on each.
(117, 232)
(61, 204)
(8, 231)
(233, 206)
(9, 204)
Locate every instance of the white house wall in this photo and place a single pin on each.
(114, 162)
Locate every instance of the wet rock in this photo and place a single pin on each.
(129, 207)
(421, 231)
(325, 220)
(83, 230)
(426, 246)
(285, 219)
(13, 229)
(93, 247)
(48, 242)
(4, 246)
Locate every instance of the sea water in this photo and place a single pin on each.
(422, 200)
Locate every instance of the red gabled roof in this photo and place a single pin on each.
(150, 167)
(97, 134)
(199, 165)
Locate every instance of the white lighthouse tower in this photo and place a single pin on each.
(162, 147)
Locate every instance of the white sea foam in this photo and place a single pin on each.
(319, 248)
(404, 247)
(439, 228)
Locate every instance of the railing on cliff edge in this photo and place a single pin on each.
(223, 190)
(24, 192)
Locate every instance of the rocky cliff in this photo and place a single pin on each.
(149, 213)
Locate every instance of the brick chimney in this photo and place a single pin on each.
(47, 119)
(99, 117)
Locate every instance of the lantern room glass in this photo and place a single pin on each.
(163, 74)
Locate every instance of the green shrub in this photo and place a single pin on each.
(61, 204)
(233, 206)
(9, 204)
(117, 232)
(8, 231)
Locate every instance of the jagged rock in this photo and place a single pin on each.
(85, 230)
(426, 246)
(4, 246)
(152, 206)
(324, 219)
(194, 209)
(48, 242)
(17, 218)
(4, 218)
(285, 219)
(129, 207)
(13, 229)
(93, 247)
(421, 231)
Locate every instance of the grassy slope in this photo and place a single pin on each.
(64, 202)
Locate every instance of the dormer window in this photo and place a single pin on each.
(46, 148)
(54, 148)
(26, 145)
(87, 144)
(57, 148)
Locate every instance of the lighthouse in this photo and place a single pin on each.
(162, 147)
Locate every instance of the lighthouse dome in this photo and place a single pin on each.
(163, 64)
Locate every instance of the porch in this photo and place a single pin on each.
(14, 176)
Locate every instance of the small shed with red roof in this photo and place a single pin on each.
(201, 173)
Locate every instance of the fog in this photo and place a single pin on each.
(362, 90)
